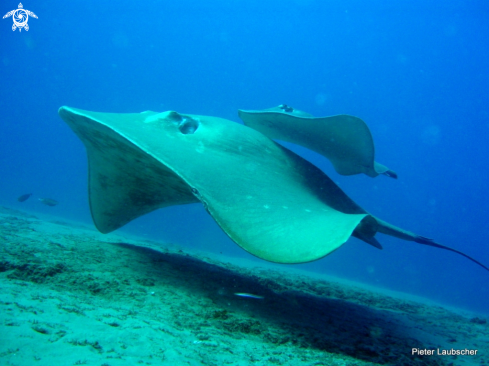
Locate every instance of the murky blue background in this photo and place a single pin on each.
(416, 71)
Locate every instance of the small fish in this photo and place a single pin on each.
(24, 197)
(48, 201)
(251, 296)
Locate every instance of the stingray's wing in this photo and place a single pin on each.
(345, 140)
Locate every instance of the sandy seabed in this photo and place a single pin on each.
(71, 296)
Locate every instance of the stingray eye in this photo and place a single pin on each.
(188, 125)
(286, 108)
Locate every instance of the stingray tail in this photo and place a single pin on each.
(390, 173)
(382, 169)
(388, 229)
(431, 243)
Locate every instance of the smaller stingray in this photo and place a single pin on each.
(24, 197)
(345, 140)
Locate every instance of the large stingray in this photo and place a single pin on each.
(270, 201)
(345, 140)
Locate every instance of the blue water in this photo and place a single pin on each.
(416, 71)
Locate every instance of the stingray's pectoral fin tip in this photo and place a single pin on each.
(390, 173)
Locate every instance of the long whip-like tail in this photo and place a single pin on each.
(388, 229)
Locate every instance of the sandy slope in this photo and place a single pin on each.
(70, 296)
